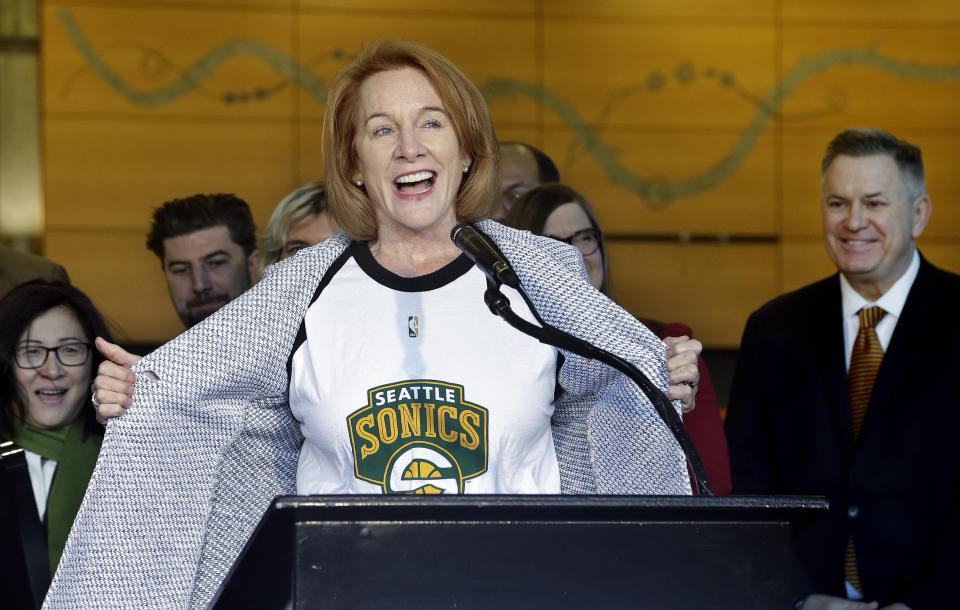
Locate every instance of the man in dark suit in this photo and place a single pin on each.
(806, 415)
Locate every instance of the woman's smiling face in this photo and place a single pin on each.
(53, 393)
(565, 222)
(409, 157)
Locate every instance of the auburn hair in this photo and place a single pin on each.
(351, 208)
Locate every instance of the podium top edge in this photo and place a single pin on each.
(554, 502)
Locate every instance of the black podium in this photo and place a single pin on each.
(471, 552)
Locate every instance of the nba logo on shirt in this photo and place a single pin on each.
(413, 326)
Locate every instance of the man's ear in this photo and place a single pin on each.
(920, 214)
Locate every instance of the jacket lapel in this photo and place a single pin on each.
(902, 348)
(827, 347)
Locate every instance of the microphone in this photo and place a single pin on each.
(484, 255)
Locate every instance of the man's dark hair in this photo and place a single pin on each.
(866, 142)
(197, 212)
(546, 169)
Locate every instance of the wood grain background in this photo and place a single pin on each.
(695, 128)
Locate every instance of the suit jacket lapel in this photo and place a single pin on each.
(827, 347)
(902, 348)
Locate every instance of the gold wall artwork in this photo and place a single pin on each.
(695, 128)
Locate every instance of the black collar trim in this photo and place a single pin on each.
(431, 281)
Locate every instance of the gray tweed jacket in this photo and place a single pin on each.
(184, 476)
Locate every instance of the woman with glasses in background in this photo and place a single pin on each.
(560, 212)
(50, 436)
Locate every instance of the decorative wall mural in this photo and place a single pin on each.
(654, 192)
(695, 130)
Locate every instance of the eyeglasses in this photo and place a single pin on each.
(586, 240)
(35, 356)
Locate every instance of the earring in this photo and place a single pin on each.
(359, 182)
(466, 169)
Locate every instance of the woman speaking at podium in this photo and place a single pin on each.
(370, 363)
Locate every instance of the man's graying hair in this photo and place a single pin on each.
(866, 142)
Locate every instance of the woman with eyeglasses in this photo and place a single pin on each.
(560, 212)
(50, 437)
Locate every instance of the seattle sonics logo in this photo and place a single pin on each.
(419, 437)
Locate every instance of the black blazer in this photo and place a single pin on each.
(24, 558)
(896, 488)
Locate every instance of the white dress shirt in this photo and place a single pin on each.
(891, 302)
(41, 478)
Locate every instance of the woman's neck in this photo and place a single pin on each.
(414, 254)
(413, 258)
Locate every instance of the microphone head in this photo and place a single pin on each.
(456, 232)
(484, 255)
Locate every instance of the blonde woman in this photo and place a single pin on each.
(299, 221)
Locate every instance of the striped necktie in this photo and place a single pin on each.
(864, 365)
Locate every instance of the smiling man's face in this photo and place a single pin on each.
(870, 223)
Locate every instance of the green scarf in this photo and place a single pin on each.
(75, 457)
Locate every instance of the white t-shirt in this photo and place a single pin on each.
(411, 385)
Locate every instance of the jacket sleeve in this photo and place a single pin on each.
(747, 416)
(608, 437)
(937, 586)
(185, 474)
(705, 424)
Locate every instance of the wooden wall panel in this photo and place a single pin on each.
(840, 77)
(804, 261)
(894, 12)
(120, 170)
(743, 203)
(940, 154)
(233, 5)
(381, 7)
(693, 284)
(661, 143)
(803, 149)
(944, 253)
(505, 49)
(310, 152)
(658, 75)
(122, 278)
(674, 117)
(167, 62)
(707, 10)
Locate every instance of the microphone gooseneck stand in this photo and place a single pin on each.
(498, 303)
